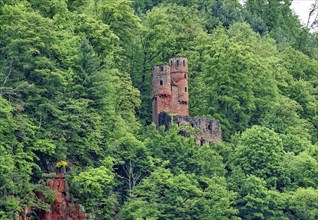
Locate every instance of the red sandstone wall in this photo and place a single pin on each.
(160, 90)
(177, 107)
(179, 75)
(161, 80)
(170, 88)
(182, 67)
(161, 103)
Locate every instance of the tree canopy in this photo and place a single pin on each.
(75, 86)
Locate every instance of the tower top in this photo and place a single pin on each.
(161, 80)
(178, 64)
(160, 69)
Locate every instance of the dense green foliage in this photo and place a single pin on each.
(75, 85)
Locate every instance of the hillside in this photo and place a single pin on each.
(75, 79)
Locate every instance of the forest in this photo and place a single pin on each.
(75, 80)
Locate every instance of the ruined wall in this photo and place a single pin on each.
(170, 97)
(207, 130)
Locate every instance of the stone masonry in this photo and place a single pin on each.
(170, 100)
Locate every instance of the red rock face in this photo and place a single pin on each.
(62, 208)
(170, 88)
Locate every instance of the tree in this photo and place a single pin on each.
(281, 23)
(50, 8)
(259, 152)
(301, 87)
(17, 165)
(237, 77)
(299, 171)
(93, 187)
(183, 196)
(302, 204)
(181, 154)
(282, 116)
(166, 31)
(255, 201)
(133, 162)
(215, 12)
(312, 20)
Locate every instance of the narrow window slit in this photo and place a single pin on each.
(201, 142)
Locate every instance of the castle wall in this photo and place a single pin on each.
(170, 97)
(160, 103)
(176, 106)
(207, 130)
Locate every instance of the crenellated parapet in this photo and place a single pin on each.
(169, 88)
(170, 96)
(205, 130)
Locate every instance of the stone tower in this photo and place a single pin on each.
(170, 88)
(161, 90)
(179, 86)
(170, 101)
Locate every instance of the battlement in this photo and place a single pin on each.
(161, 69)
(170, 95)
(169, 88)
(205, 130)
(178, 64)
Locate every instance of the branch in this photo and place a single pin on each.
(10, 71)
(311, 12)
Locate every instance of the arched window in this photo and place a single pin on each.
(185, 89)
(185, 76)
(161, 68)
(177, 63)
(183, 62)
(161, 82)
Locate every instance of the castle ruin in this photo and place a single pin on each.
(170, 101)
